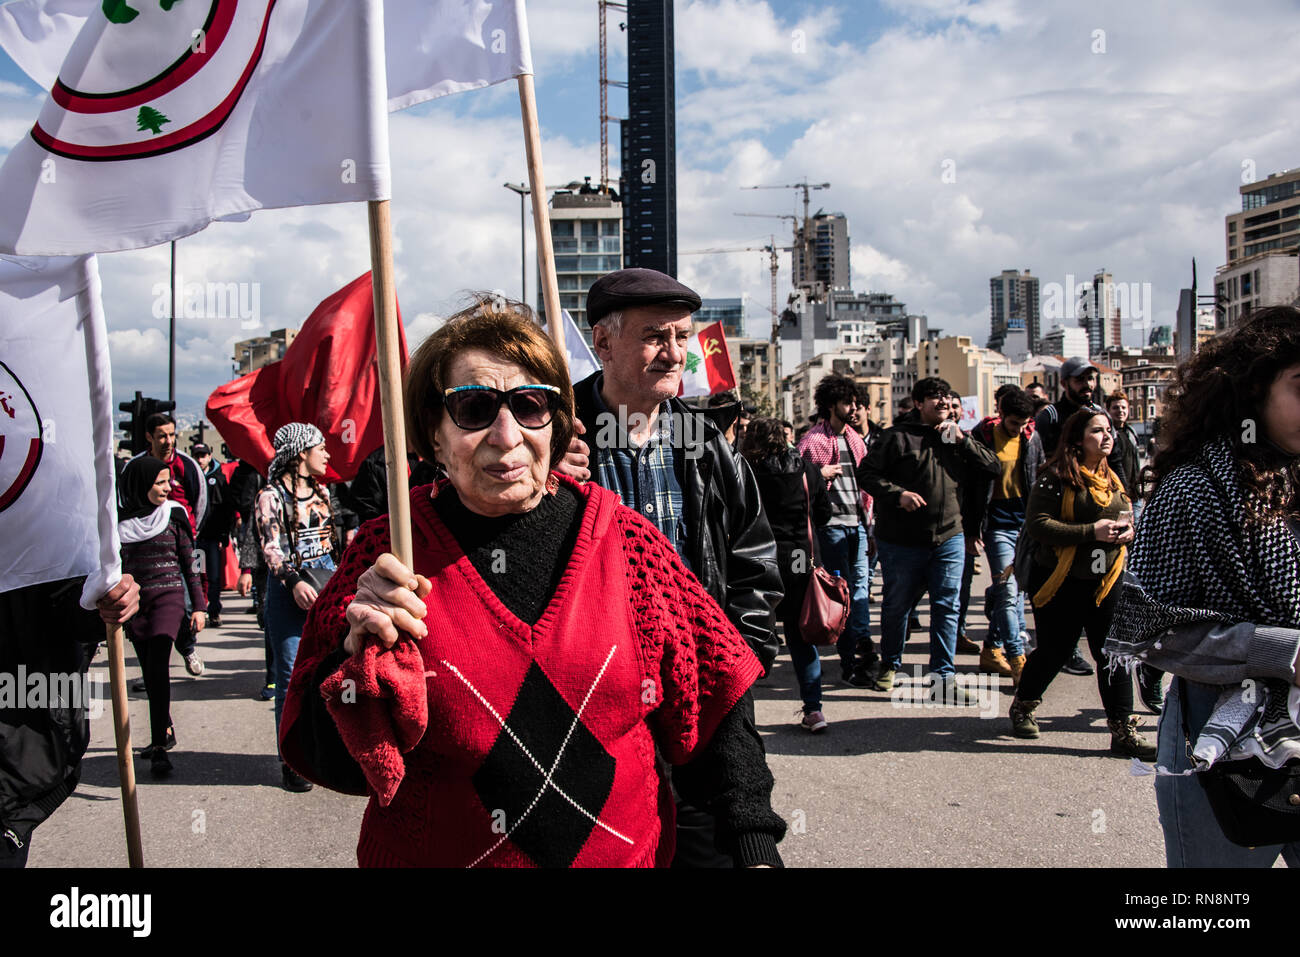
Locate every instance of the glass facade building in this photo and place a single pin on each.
(587, 232)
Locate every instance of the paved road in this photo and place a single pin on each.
(890, 783)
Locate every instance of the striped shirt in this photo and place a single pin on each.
(845, 500)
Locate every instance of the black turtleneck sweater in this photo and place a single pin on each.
(539, 540)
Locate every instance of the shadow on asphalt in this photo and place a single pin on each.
(931, 733)
(189, 768)
(221, 680)
(903, 731)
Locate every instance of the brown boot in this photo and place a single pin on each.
(965, 646)
(1017, 665)
(994, 661)
(1126, 742)
(1023, 724)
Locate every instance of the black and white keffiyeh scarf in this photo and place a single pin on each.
(1194, 561)
(288, 442)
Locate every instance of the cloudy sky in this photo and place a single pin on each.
(959, 137)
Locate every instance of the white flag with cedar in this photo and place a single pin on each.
(167, 115)
(57, 514)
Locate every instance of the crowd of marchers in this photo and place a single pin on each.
(561, 674)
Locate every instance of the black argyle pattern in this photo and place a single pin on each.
(552, 831)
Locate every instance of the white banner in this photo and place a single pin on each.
(58, 517)
(433, 47)
(167, 116)
(582, 362)
(436, 47)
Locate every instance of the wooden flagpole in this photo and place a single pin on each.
(389, 357)
(541, 217)
(122, 732)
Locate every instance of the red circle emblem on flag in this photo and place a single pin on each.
(146, 77)
(21, 441)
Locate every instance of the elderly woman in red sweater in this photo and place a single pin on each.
(503, 701)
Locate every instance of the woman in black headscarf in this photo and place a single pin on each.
(157, 549)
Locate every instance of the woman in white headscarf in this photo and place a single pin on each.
(295, 526)
(157, 549)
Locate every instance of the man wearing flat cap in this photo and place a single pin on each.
(1078, 391)
(671, 463)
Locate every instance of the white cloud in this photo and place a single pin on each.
(1063, 160)
(735, 39)
(560, 30)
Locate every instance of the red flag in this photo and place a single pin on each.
(328, 377)
(708, 364)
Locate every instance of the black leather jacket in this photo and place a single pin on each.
(728, 544)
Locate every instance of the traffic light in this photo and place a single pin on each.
(133, 426)
(140, 408)
(152, 406)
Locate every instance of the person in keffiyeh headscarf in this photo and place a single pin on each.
(295, 525)
(1211, 593)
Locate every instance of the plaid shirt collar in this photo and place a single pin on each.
(643, 477)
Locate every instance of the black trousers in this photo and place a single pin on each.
(215, 573)
(1073, 609)
(154, 653)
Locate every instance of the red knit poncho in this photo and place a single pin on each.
(540, 745)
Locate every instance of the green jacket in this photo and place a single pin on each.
(910, 457)
(1044, 525)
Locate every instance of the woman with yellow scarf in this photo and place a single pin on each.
(1078, 522)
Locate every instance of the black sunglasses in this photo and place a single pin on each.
(475, 407)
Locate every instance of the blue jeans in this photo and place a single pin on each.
(967, 577)
(808, 670)
(909, 572)
(1006, 607)
(844, 550)
(284, 622)
(1193, 837)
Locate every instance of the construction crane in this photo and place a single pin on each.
(774, 265)
(605, 84)
(807, 188)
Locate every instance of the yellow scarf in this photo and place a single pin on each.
(1098, 485)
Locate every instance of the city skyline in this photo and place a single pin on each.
(1111, 136)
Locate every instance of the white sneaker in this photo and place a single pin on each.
(194, 664)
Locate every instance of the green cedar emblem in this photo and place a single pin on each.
(150, 119)
(119, 11)
(692, 362)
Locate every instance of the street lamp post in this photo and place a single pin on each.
(523, 190)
